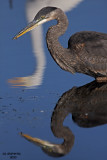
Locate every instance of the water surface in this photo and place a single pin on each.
(50, 98)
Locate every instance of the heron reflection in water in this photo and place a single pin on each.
(89, 110)
(86, 52)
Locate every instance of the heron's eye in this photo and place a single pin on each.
(42, 17)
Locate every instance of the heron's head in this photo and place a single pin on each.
(44, 15)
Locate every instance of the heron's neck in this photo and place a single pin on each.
(55, 48)
(59, 130)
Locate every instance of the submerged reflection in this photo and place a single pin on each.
(32, 7)
(11, 3)
(88, 106)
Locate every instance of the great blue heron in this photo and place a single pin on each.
(88, 110)
(86, 52)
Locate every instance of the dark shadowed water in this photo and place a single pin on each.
(68, 111)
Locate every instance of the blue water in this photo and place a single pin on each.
(29, 109)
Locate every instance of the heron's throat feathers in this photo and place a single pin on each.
(61, 55)
(59, 29)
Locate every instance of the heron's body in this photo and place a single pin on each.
(86, 52)
(90, 49)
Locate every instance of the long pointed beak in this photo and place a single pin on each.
(51, 149)
(37, 141)
(29, 27)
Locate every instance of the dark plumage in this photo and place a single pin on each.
(86, 52)
(88, 110)
(91, 49)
